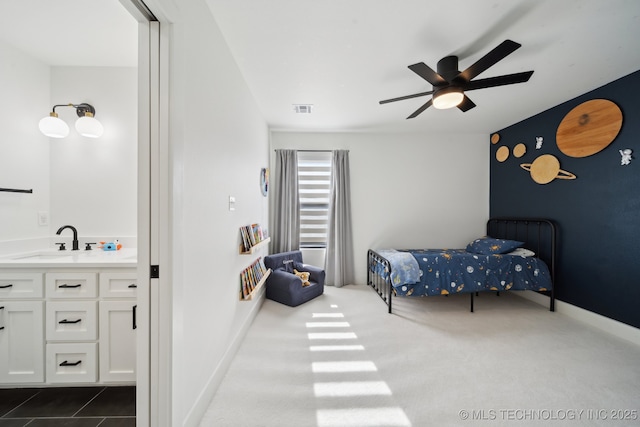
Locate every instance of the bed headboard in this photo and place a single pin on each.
(539, 235)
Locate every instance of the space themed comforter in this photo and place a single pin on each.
(420, 272)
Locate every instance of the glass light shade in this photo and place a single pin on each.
(53, 127)
(88, 126)
(448, 98)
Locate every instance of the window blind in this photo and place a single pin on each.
(314, 181)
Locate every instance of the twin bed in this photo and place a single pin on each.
(515, 254)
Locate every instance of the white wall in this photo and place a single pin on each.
(88, 183)
(408, 190)
(24, 151)
(218, 143)
(93, 181)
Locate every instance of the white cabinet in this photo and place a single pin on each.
(118, 292)
(117, 341)
(21, 341)
(68, 326)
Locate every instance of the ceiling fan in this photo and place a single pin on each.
(450, 85)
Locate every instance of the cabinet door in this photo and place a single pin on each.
(117, 341)
(118, 284)
(20, 285)
(71, 321)
(21, 342)
(71, 285)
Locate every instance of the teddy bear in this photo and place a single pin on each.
(303, 275)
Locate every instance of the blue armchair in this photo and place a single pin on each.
(284, 286)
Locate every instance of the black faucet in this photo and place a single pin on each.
(75, 235)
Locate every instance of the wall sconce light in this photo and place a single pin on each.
(86, 125)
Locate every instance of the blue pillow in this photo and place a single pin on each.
(490, 246)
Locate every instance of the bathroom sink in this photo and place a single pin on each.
(43, 256)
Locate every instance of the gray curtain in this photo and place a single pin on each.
(285, 218)
(339, 266)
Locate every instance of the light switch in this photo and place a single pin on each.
(43, 218)
(232, 203)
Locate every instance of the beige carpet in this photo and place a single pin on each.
(341, 361)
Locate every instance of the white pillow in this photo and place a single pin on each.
(522, 252)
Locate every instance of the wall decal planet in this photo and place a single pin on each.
(519, 150)
(502, 154)
(589, 128)
(545, 169)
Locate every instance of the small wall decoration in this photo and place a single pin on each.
(545, 169)
(495, 138)
(519, 150)
(589, 128)
(502, 154)
(539, 142)
(264, 181)
(626, 156)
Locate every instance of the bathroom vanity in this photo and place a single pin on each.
(68, 318)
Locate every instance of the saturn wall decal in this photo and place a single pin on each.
(545, 169)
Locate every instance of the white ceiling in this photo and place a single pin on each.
(71, 32)
(343, 56)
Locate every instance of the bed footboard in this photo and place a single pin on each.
(381, 283)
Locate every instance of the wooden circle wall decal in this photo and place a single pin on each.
(495, 138)
(519, 150)
(545, 169)
(502, 154)
(589, 128)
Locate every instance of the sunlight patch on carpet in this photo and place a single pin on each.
(332, 336)
(328, 324)
(344, 366)
(336, 348)
(351, 388)
(362, 417)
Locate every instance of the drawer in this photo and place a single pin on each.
(72, 363)
(71, 285)
(118, 284)
(72, 320)
(21, 285)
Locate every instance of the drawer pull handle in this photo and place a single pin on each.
(66, 363)
(10, 285)
(133, 285)
(65, 321)
(65, 286)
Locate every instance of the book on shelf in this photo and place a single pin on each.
(251, 276)
(252, 235)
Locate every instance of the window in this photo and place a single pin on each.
(314, 181)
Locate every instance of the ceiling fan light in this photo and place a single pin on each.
(53, 127)
(88, 126)
(448, 97)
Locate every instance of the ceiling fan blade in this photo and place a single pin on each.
(466, 104)
(497, 54)
(507, 79)
(421, 109)
(427, 73)
(402, 98)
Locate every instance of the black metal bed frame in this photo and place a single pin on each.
(539, 235)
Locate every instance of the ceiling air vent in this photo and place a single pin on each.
(302, 108)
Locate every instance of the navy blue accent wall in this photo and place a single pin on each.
(598, 213)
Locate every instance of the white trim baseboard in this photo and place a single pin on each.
(619, 329)
(199, 409)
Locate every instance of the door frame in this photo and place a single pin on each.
(153, 349)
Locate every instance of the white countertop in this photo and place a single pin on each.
(96, 258)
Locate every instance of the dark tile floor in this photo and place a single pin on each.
(68, 407)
